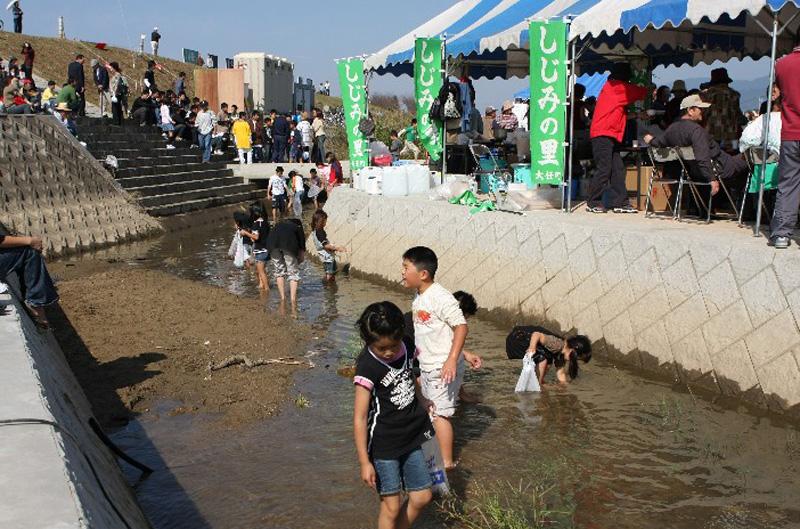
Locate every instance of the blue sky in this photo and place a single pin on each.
(311, 33)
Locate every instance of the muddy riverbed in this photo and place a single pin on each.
(615, 449)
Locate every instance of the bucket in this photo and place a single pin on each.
(394, 182)
(419, 179)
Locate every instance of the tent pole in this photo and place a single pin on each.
(571, 117)
(444, 123)
(765, 132)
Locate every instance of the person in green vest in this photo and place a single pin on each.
(69, 95)
(409, 135)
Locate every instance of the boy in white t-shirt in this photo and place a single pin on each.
(440, 330)
(276, 191)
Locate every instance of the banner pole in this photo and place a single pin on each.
(444, 123)
(765, 132)
(571, 117)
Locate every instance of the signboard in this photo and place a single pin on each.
(212, 61)
(354, 100)
(229, 63)
(548, 110)
(427, 83)
(190, 56)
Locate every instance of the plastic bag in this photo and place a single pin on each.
(232, 247)
(528, 381)
(241, 252)
(435, 466)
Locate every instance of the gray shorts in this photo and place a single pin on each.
(443, 396)
(286, 265)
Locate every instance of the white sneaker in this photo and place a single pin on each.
(218, 152)
(170, 146)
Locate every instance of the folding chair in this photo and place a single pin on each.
(487, 164)
(686, 155)
(754, 158)
(659, 157)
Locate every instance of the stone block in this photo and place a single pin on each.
(530, 249)
(585, 294)
(746, 263)
(550, 232)
(619, 335)
(780, 381)
(668, 251)
(533, 305)
(634, 245)
(561, 314)
(680, 281)
(588, 322)
(644, 274)
(685, 318)
(707, 257)
(582, 262)
(727, 327)
(615, 301)
(611, 266)
(605, 240)
(691, 354)
(554, 256)
(763, 297)
(576, 236)
(734, 369)
(554, 291)
(772, 339)
(654, 346)
(787, 267)
(651, 307)
(719, 288)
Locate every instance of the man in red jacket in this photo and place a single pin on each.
(608, 127)
(787, 75)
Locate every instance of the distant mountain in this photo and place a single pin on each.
(753, 91)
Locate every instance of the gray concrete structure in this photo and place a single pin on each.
(709, 305)
(52, 187)
(262, 171)
(54, 471)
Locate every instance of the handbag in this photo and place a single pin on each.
(435, 113)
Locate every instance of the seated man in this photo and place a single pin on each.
(688, 131)
(143, 109)
(23, 256)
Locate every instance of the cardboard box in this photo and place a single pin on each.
(660, 196)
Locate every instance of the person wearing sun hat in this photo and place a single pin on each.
(725, 119)
(63, 113)
(673, 111)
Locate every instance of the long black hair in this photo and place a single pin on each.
(581, 350)
(380, 320)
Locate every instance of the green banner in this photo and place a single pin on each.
(427, 83)
(354, 100)
(548, 110)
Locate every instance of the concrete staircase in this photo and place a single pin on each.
(164, 181)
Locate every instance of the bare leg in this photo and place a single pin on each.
(281, 282)
(417, 501)
(274, 215)
(444, 433)
(263, 278)
(391, 506)
(293, 291)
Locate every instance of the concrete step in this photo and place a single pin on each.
(173, 178)
(185, 186)
(168, 169)
(150, 142)
(197, 194)
(203, 203)
(153, 152)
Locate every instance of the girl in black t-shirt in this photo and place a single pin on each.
(389, 421)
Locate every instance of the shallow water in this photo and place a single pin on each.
(630, 452)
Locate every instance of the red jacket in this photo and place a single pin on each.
(787, 75)
(609, 113)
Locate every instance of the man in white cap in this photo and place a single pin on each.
(688, 131)
(155, 38)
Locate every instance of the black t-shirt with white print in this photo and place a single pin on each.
(261, 227)
(397, 422)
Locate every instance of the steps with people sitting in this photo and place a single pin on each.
(165, 181)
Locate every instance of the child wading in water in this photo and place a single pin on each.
(258, 233)
(439, 331)
(547, 349)
(326, 250)
(389, 422)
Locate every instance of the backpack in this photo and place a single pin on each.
(451, 108)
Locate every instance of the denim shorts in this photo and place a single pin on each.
(279, 202)
(407, 473)
(330, 267)
(167, 127)
(261, 257)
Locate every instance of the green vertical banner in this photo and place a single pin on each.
(548, 110)
(354, 100)
(427, 83)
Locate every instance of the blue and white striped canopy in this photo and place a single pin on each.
(492, 35)
(593, 83)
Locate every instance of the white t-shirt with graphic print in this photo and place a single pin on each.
(435, 313)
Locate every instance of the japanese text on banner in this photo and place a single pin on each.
(427, 83)
(548, 42)
(354, 100)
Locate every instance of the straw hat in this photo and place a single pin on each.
(63, 107)
(507, 105)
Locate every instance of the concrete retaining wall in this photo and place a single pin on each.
(53, 187)
(710, 305)
(262, 171)
(52, 477)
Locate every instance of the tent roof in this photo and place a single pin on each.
(491, 36)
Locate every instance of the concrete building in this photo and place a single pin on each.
(269, 80)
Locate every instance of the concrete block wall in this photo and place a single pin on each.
(710, 305)
(52, 187)
(56, 473)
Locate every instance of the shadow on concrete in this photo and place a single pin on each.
(99, 383)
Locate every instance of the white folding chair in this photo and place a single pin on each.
(754, 158)
(659, 157)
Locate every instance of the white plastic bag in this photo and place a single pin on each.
(241, 252)
(435, 466)
(232, 247)
(528, 380)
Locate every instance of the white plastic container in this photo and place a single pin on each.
(419, 179)
(372, 183)
(395, 181)
(365, 174)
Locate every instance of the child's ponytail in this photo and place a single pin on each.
(581, 349)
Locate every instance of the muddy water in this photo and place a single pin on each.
(627, 452)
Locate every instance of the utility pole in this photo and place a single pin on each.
(61, 33)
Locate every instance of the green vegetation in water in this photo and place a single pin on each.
(301, 401)
(350, 351)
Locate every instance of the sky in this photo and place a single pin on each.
(310, 34)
